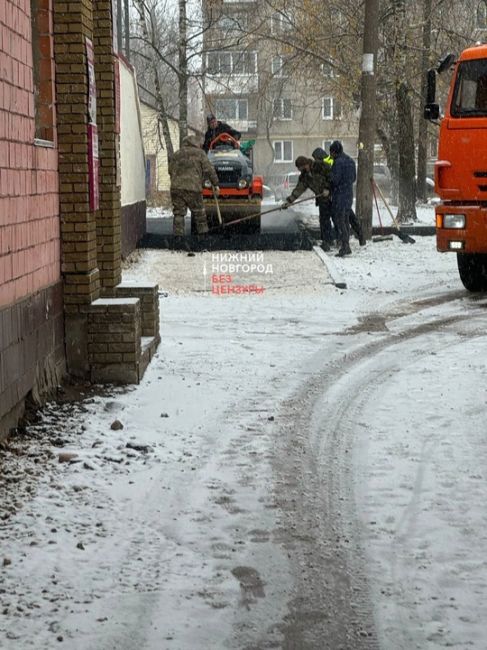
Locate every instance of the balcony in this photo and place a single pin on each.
(244, 125)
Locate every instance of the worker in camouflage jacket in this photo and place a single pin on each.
(189, 168)
(315, 176)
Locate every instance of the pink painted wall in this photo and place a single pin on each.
(29, 199)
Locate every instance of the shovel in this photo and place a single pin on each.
(402, 235)
(218, 213)
(381, 237)
(261, 214)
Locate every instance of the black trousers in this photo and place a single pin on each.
(341, 219)
(326, 228)
(355, 225)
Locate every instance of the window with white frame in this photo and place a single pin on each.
(283, 151)
(282, 109)
(328, 70)
(280, 22)
(228, 63)
(278, 66)
(326, 145)
(232, 109)
(330, 109)
(233, 22)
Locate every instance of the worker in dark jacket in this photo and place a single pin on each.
(215, 128)
(315, 176)
(343, 176)
(320, 154)
(189, 168)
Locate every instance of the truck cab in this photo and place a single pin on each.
(461, 168)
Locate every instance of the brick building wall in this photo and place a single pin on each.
(31, 316)
(60, 203)
(29, 199)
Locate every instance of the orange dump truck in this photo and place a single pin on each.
(461, 168)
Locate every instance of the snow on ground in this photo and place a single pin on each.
(425, 215)
(143, 539)
(159, 213)
(308, 213)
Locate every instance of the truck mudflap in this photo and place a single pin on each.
(469, 231)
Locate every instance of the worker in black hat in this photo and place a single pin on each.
(321, 155)
(343, 176)
(216, 128)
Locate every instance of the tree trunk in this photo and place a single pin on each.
(367, 117)
(405, 140)
(183, 73)
(423, 125)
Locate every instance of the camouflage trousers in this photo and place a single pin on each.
(183, 199)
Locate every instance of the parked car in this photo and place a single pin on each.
(287, 185)
(430, 187)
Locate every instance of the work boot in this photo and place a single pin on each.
(204, 241)
(181, 244)
(325, 246)
(362, 241)
(344, 250)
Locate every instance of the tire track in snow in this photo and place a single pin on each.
(315, 453)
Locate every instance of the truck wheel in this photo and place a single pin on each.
(472, 268)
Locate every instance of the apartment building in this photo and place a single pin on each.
(255, 80)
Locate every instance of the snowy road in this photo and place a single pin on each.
(314, 477)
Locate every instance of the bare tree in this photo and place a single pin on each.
(183, 71)
(152, 54)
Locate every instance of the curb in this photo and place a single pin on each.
(336, 278)
(420, 231)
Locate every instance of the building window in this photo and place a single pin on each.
(280, 22)
(278, 67)
(283, 151)
(234, 22)
(326, 145)
(282, 109)
(232, 109)
(330, 109)
(328, 70)
(43, 69)
(230, 63)
(482, 15)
